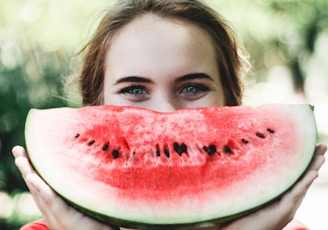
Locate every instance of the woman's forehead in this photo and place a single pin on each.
(156, 42)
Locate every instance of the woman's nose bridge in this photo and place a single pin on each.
(166, 102)
(167, 106)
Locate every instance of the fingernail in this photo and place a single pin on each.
(16, 150)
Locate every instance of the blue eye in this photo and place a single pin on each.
(193, 89)
(135, 93)
(136, 90)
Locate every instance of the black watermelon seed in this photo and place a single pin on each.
(180, 148)
(158, 150)
(115, 153)
(270, 130)
(210, 150)
(227, 149)
(105, 147)
(91, 142)
(77, 135)
(166, 152)
(244, 141)
(260, 135)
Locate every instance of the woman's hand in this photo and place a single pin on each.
(280, 213)
(56, 213)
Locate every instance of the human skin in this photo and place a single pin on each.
(164, 65)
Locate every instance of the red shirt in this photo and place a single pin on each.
(37, 225)
(41, 225)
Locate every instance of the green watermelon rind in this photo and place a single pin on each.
(141, 224)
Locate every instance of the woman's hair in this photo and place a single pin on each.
(231, 63)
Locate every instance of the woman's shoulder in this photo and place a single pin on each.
(36, 225)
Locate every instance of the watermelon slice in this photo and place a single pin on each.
(136, 167)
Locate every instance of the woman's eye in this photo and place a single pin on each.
(134, 90)
(135, 93)
(193, 89)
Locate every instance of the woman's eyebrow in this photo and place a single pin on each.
(186, 77)
(133, 79)
(192, 76)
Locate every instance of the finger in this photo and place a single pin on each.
(293, 198)
(51, 205)
(23, 163)
(45, 198)
(321, 148)
(37, 196)
(32, 181)
(18, 151)
(318, 158)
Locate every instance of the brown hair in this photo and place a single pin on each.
(230, 62)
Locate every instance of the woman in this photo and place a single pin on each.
(162, 55)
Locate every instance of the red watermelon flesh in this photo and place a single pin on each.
(138, 167)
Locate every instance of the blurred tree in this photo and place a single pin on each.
(310, 19)
(293, 28)
(35, 80)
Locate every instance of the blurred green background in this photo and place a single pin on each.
(39, 39)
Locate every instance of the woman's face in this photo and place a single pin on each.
(163, 65)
